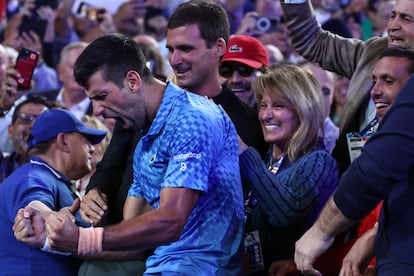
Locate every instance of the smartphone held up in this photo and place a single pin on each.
(25, 64)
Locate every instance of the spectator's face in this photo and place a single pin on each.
(81, 151)
(66, 75)
(99, 149)
(401, 24)
(326, 83)
(158, 27)
(277, 119)
(389, 76)
(239, 78)
(19, 130)
(194, 65)
(341, 90)
(128, 17)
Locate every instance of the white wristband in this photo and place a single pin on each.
(46, 248)
(90, 240)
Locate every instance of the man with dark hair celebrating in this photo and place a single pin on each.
(185, 168)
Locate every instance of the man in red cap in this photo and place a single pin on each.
(244, 60)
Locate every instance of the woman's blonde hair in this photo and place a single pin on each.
(300, 91)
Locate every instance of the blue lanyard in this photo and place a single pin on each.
(369, 126)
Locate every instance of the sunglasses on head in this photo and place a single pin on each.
(226, 70)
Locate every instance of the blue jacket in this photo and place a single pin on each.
(385, 171)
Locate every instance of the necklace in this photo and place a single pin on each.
(274, 164)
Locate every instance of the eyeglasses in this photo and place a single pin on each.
(26, 119)
(226, 71)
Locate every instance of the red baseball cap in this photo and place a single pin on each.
(247, 50)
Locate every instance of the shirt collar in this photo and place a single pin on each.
(38, 161)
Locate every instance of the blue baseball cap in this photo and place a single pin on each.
(54, 121)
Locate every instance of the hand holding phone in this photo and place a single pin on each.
(9, 93)
(25, 65)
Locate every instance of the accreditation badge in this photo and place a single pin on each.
(253, 257)
(355, 143)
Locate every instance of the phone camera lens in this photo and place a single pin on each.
(263, 24)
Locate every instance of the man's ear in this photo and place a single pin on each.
(132, 81)
(61, 142)
(221, 46)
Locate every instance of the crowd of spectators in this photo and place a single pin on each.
(54, 24)
(48, 26)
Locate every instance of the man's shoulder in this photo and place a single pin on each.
(183, 101)
(374, 46)
(17, 180)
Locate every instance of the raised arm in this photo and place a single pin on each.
(332, 52)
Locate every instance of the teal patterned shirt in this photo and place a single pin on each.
(192, 144)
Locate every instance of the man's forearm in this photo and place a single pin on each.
(331, 221)
(158, 226)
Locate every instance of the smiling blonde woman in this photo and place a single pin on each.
(288, 189)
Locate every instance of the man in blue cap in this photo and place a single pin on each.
(60, 150)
